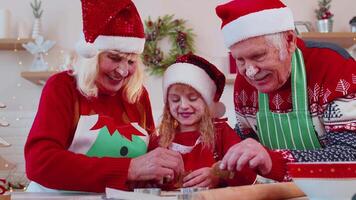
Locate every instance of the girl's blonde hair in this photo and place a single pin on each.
(87, 70)
(169, 126)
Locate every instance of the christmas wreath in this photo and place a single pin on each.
(181, 39)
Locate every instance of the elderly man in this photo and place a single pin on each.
(295, 98)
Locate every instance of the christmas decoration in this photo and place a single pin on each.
(323, 12)
(37, 13)
(324, 16)
(38, 49)
(3, 123)
(5, 166)
(181, 38)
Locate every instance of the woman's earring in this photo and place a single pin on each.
(175, 124)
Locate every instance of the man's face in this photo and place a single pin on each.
(261, 64)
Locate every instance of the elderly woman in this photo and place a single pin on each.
(92, 125)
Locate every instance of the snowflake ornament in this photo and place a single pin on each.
(40, 45)
(38, 48)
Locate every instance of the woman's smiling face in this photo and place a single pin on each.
(114, 69)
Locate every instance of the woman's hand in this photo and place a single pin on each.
(250, 152)
(156, 165)
(202, 177)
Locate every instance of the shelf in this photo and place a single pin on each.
(344, 39)
(38, 78)
(13, 43)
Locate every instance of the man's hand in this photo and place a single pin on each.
(156, 165)
(202, 177)
(250, 152)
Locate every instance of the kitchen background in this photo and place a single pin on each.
(61, 22)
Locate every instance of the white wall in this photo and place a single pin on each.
(61, 21)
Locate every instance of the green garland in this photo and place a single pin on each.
(182, 40)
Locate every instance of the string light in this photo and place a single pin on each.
(3, 122)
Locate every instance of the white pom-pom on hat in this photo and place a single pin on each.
(218, 110)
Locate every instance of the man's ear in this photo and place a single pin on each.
(291, 41)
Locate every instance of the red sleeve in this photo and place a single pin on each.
(280, 158)
(49, 163)
(227, 137)
(154, 142)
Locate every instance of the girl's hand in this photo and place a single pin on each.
(202, 177)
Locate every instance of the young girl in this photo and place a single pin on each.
(192, 88)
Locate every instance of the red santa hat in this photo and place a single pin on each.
(201, 75)
(243, 19)
(110, 25)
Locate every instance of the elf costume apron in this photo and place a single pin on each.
(100, 136)
(293, 130)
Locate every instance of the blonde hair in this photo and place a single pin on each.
(168, 127)
(87, 70)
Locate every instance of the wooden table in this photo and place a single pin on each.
(54, 196)
(58, 196)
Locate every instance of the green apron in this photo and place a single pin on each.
(293, 130)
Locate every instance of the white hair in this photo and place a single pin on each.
(279, 40)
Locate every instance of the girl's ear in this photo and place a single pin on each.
(291, 41)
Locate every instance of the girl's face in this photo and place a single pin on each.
(114, 69)
(186, 105)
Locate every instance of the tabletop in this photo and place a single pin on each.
(56, 196)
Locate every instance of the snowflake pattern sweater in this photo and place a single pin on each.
(201, 157)
(331, 85)
(48, 161)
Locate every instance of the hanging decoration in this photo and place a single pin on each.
(181, 38)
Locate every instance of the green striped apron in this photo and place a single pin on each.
(293, 130)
